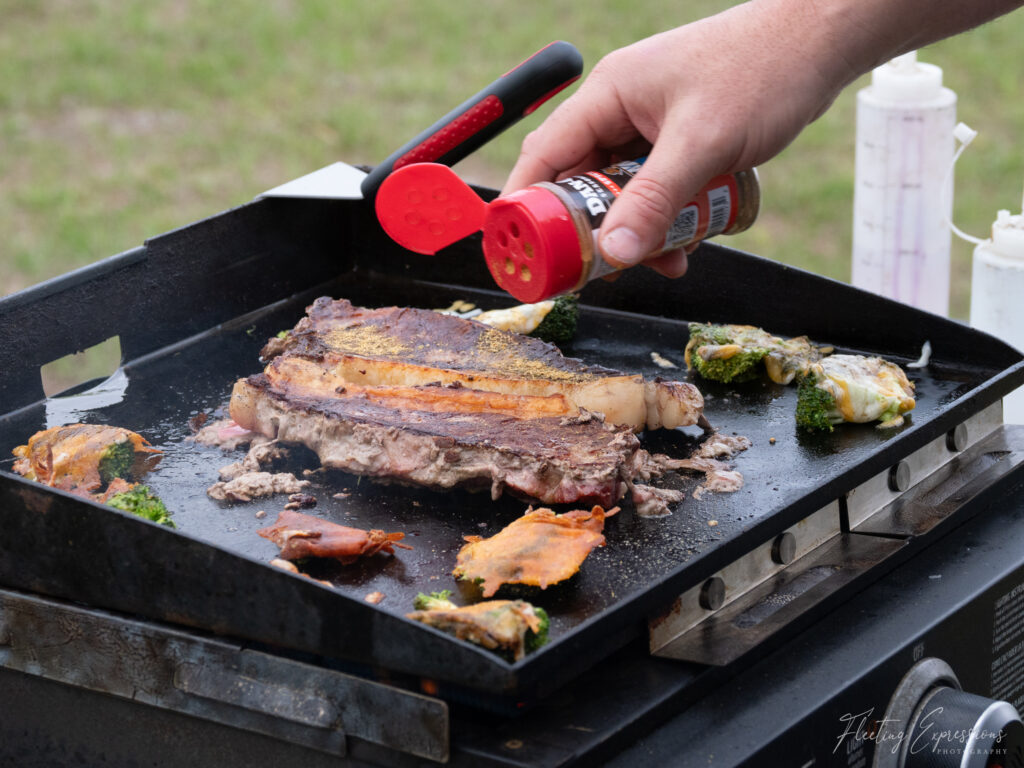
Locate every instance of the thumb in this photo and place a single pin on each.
(637, 223)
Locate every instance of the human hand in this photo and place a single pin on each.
(716, 96)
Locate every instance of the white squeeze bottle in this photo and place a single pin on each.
(903, 191)
(997, 293)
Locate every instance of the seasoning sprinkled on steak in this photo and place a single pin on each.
(406, 346)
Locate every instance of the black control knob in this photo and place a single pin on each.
(955, 729)
(932, 723)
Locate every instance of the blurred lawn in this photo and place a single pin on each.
(121, 120)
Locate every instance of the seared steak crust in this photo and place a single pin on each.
(427, 338)
(405, 346)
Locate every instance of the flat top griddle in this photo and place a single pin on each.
(647, 562)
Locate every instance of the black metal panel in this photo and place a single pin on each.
(193, 309)
(178, 284)
(819, 700)
(84, 551)
(785, 709)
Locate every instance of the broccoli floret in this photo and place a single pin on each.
(741, 365)
(142, 502)
(813, 405)
(717, 354)
(117, 460)
(559, 325)
(706, 333)
(435, 601)
(535, 640)
(733, 352)
(854, 388)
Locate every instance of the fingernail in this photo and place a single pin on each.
(622, 246)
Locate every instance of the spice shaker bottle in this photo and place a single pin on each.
(540, 241)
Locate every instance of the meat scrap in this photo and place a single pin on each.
(262, 452)
(709, 459)
(299, 535)
(538, 549)
(654, 502)
(719, 477)
(719, 446)
(224, 434)
(300, 501)
(251, 485)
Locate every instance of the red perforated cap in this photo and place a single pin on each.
(425, 207)
(531, 245)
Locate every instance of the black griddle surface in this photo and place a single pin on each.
(194, 307)
(165, 392)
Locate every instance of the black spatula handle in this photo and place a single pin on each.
(482, 117)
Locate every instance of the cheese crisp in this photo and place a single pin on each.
(538, 549)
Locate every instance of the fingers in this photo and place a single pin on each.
(670, 264)
(552, 148)
(580, 134)
(528, 170)
(636, 225)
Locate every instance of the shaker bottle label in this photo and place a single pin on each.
(684, 228)
(720, 204)
(711, 213)
(595, 191)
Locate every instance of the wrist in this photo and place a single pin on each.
(839, 40)
(820, 46)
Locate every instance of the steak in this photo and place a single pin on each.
(406, 346)
(442, 437)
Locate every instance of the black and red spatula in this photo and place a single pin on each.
(465, 129)
(483, 116)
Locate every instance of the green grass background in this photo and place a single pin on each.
(121, 120)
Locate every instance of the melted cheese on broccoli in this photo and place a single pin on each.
(865, 389)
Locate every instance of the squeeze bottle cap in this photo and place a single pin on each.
(1008, 235)
(905, 80)
(529, 239)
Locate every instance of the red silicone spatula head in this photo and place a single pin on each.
(425, 207)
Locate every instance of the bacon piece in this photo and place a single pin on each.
(538, 549)
(300, 536)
